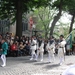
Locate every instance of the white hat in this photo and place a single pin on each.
(70, 71)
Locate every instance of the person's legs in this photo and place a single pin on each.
(32, 55)
(53, 58)
(3, 57)
(41, 54)
(49, 57)
(37, 54)
(61, 60)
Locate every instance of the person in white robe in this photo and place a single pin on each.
(51, 49)
(33, 48)
(40, 48)
(61, 49)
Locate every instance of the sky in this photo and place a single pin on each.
(66, 18)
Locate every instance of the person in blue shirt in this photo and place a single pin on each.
(4, 51)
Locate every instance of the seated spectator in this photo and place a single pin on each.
(14, 49)
(16, 38)
(21, 48)
(27, 48)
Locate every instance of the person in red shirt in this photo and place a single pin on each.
(14, 49)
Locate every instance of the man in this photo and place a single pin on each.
(61, 49)
(4, 52)
(51, 49)
(33, 47)
(40, 48)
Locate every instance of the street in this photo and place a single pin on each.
(23, 66)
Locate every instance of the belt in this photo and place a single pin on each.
(60, 47)
(33, 45)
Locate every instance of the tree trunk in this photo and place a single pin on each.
(46, 34)
(19, 18)
(72, 21)
(56, 18)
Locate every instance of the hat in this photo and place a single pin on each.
(70, 71)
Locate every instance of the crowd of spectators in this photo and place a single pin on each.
(18, 46)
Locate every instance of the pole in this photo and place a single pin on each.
(69, 34)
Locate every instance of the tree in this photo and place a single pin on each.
(16, 8)
(61, 28)
(70, 8)
(45, 16)
(59, 5)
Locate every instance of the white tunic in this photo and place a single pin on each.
(33, 46)
(50, 48)
(41, 48)
(61, 49)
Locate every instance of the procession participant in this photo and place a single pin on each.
(51, 49)
(4, 51)
(61, 49)
(40, 48)
(33, 47)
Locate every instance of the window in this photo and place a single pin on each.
(25, 26)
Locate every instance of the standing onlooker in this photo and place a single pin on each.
(4, 51)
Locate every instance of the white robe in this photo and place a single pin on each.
(41, 48)
(61, 49)
(51, 47)
(51, 51)
(33, 46)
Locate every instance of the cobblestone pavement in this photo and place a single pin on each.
(23, 66)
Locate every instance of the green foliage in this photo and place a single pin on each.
(45, 16)
(69, 5)
(8, 8)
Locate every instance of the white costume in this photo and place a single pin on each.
(40, 50)
(70, 71)
(33, 48)
(61, 51)
(51, 50)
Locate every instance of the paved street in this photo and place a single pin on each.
(23, 66)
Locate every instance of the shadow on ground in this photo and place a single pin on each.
(41, 63)
(51, 66)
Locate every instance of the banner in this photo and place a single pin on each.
(69, 41)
